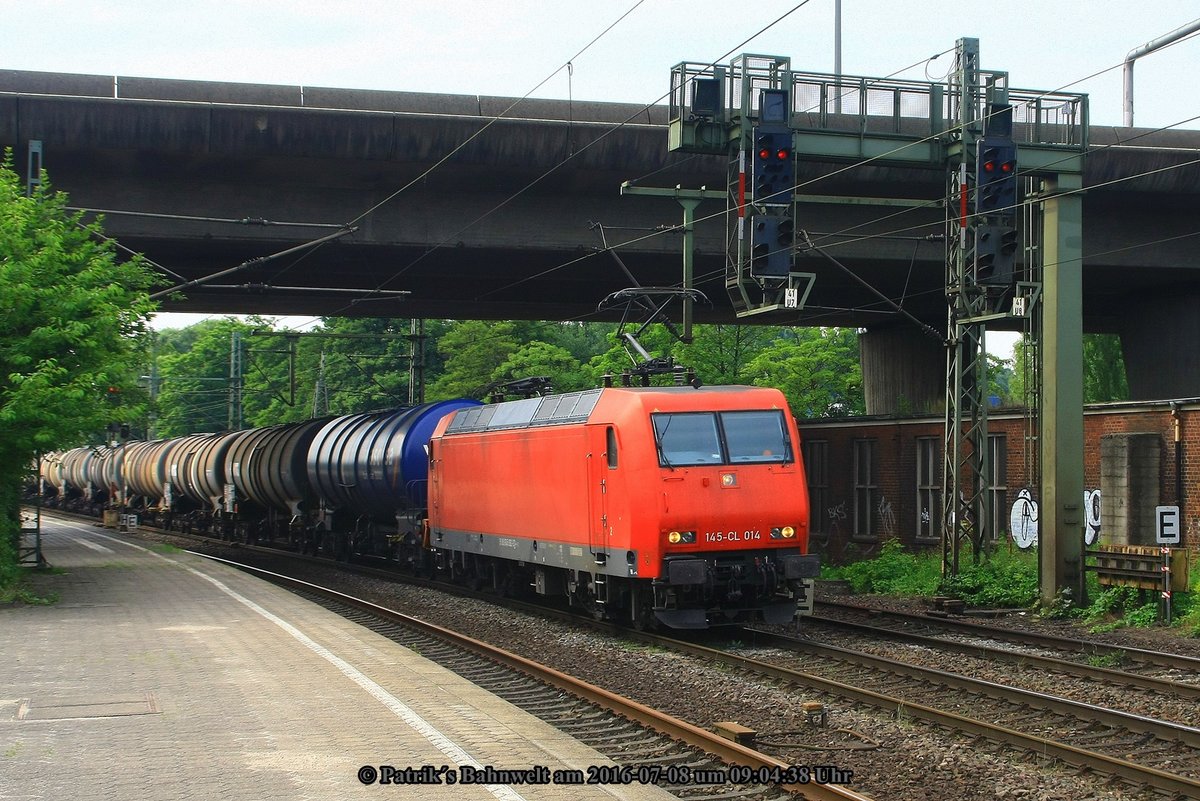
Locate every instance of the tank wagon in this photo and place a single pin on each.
(689, 506)
(370, 472)
(681, 506)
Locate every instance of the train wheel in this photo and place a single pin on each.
(642, 610)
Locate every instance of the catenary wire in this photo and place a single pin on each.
(600, 138)
(838, 171)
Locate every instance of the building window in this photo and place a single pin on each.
(866, 488)
(816, 470)
(929, 488)
(998, 462)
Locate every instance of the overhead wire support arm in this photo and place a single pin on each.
(254, 262)
(896, 307)
(689, 199)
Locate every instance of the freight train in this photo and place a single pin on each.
(677, 506)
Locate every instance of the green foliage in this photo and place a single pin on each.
(538, 358)
(1112, 659)
(74, 327)
(721, 354)
(75, 324)
(473, 351)
(1103, 370)
(816, 368)
(619, 357)
(194, 382)
(1005, 579)
(1118, 607)
(894, 571)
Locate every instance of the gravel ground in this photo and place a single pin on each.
(1124, 698)
(891, 758)
(1160, 638)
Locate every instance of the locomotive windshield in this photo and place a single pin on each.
(697, 438)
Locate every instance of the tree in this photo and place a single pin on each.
(565, 372)
(1103, 370)
(195, 385)
(721, 354)
(473, 350)
(816, 368)
(74, 336)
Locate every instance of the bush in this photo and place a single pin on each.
(1117, 607)
(893, 572)
(1004, 579)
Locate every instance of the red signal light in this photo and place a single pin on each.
(782, 154)
(764, 154)
(989, 166)
(1006, 167)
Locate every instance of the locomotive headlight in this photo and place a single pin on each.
(674, 537)
(784, 533)
(689, 536)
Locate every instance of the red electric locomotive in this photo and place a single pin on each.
(684, 505)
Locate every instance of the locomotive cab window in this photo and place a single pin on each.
(699, 438)
(687, 439)
(756, 436)
(610, 444)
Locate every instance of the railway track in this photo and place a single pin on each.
(649, 746)
(1078, 670)
(1092, 740)
(907, 622)
(1086, 737)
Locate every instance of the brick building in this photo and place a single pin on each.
(875, 478)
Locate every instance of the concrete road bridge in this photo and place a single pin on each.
(480, 207)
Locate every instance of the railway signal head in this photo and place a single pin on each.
(996, 254)
(996, 177)
(771, 243)
(774, 170)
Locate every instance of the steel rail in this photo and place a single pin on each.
(1161, 658)
(720, 747)
(1168, 730)
(1110, 675)
(1170, 783)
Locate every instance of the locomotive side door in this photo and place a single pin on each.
(601, 460)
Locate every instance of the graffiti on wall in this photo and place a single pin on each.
(1091, 515)
(887, 518)
(1023, 521)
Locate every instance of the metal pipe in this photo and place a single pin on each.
(837, 55)
(1178, 434)
(1146, 49)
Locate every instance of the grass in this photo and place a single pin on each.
(1109, 660)
(1003, 579)
(1010, 579)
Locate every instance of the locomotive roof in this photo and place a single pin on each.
(570, 407)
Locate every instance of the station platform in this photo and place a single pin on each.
(161, 675)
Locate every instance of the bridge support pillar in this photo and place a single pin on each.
(1060, 541)
(904, 371)
(1159, 340)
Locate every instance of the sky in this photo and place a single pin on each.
(514, 47)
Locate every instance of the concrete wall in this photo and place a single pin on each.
(1130, 473)
(904, 371)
